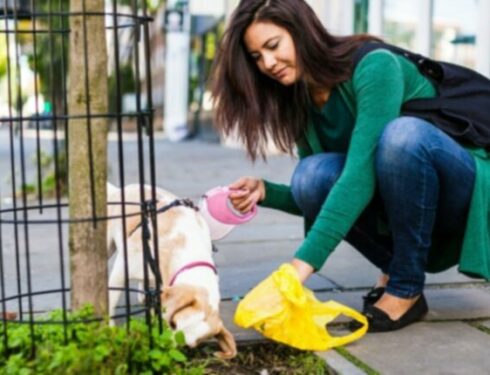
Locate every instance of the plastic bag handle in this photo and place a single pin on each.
(329, 307)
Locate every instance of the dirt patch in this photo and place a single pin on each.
(261, 359)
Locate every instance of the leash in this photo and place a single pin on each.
(150, 212)
(149, 208)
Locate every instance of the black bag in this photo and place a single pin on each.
(462, 106)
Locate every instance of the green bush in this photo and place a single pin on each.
(92, 348)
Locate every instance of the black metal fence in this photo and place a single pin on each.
(34, 217)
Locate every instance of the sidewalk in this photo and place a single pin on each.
(453, 339)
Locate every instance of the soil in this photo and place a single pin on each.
(261, 359)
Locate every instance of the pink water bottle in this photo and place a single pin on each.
(216, 208)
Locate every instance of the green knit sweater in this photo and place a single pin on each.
(351, 122)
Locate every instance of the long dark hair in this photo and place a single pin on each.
(257, 108)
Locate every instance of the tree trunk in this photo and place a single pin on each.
(88, 254)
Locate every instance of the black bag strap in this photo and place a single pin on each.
(430, 68)
(461, 107)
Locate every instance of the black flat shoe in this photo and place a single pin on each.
(370, 298)
(379, 321)
(373, 296)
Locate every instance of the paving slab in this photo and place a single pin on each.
(444, 304)
(237, 281)
(254, 250)
(228, 308)
(208, 165)
(191, 168)
(45, 263)
(426, 348)
(429, 328)
(452, 275)
(272, 231)
(350, 299)
(252, 254)
(339, 364)
(243, 265)
(458, 303)
(347, 268)
(227, 312)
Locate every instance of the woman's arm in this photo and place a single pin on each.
(379, 87)
(279, 196)
(303, 269)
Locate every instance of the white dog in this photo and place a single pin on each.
(190, 284)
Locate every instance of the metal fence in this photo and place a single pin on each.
(34, 215)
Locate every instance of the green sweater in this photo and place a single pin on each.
(351, 122)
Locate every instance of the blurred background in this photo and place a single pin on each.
(184, 37)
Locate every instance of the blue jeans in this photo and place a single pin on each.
(424, 185)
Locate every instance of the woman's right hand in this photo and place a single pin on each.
(246, 193)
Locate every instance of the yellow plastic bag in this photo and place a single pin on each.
(282, 309)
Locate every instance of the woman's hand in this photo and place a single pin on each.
(246, 192)
(304, 269)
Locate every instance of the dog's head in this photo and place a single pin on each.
(187, 309)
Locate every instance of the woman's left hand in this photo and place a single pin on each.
(304, 269)
(246, 193)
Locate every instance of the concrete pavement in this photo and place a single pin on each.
(453, 339)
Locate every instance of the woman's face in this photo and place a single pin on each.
(272, 49)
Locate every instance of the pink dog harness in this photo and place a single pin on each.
(149, 211)
(190, 266)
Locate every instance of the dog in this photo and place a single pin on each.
(190, 292)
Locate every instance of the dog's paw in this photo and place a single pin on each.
(225, 355)
(226, 343)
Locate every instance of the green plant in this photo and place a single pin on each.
(91, 348)
(127, 84)
(49, 58)
(3, 55)
(356, 361)
(49, 175)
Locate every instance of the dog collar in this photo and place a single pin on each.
(190, 266)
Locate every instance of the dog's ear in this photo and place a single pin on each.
(227, 344)
(173, 301)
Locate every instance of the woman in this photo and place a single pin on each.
(397, 188)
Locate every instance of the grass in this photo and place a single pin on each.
(480, 327)
(356, 361)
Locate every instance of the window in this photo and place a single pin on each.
(400, 22)
(454, 31)
(361, 16)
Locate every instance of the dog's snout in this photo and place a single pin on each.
(192, 344)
